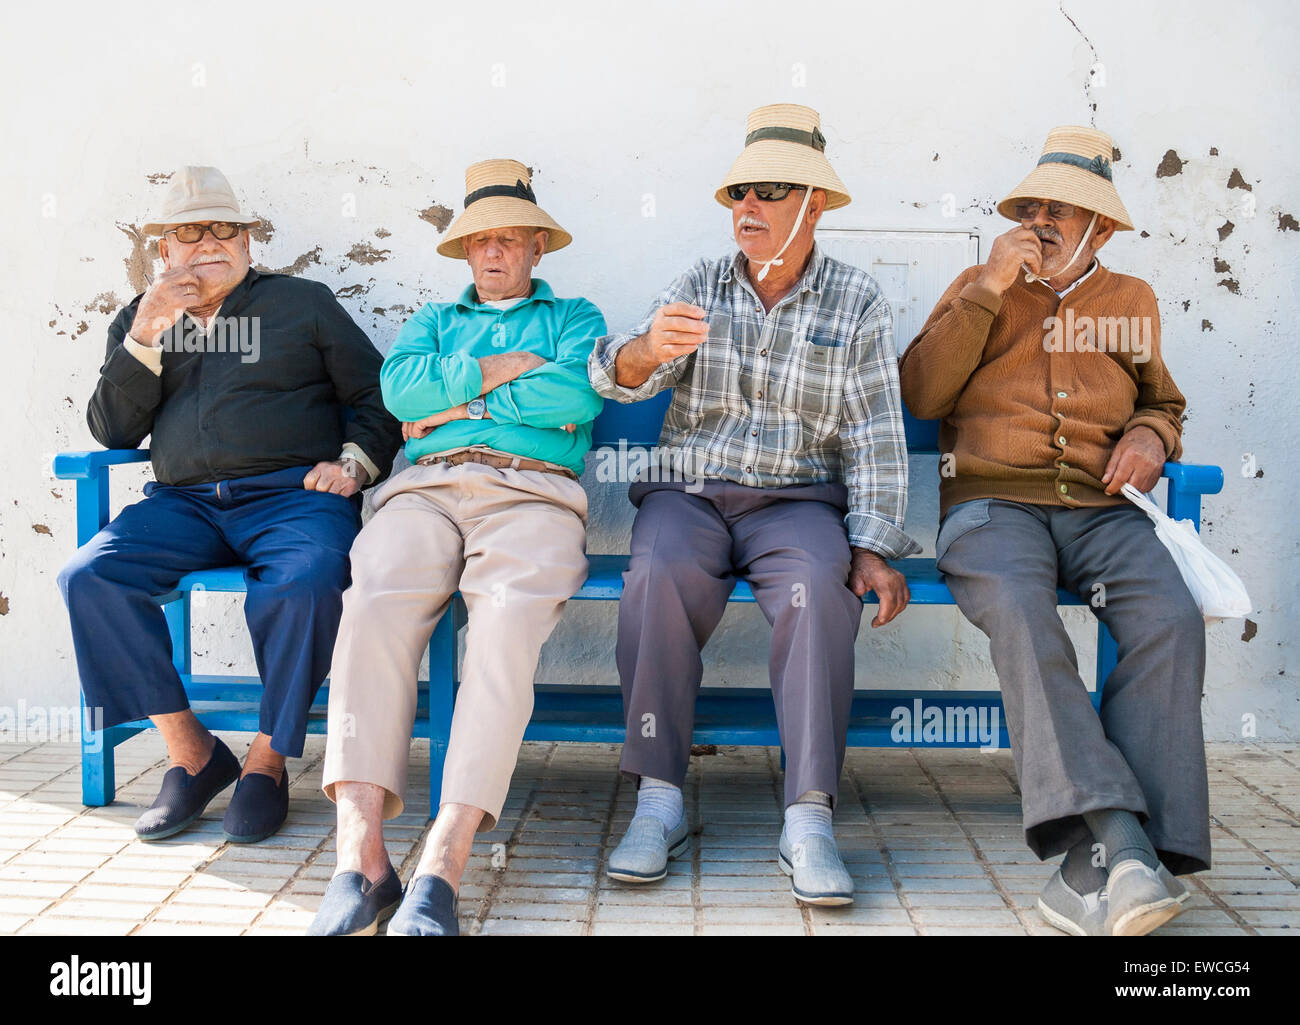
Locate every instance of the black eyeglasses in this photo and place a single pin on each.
(768, 192)
(191, 233)
(1027, 210)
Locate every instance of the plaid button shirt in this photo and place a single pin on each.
(806, 392)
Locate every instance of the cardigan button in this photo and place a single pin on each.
(1065, 489)
(1061, 395)
(1061, 440)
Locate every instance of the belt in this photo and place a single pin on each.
(500, 462)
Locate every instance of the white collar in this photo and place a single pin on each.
(1084, 277)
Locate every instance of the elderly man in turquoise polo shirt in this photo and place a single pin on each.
(497, 410)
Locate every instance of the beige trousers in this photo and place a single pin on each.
(513, 542)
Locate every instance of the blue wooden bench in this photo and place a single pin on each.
(565, 712)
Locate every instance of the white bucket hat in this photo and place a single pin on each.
(499, 194)
(197, 194)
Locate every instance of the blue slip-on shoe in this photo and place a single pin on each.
(182, 798)
(1079, 914)
(428, 909)
(258, 808)
(642, 855)
(354, 906)
(1139, 899)
(818, 876)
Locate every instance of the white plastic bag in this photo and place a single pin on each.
(1218, 591)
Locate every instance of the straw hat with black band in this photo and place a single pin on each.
(1074, 168)
(499, 194)
(198, 194)
(784, 143)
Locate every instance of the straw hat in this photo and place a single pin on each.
(784, 143)
(197, 194)
(499, 194)
(1074, 168)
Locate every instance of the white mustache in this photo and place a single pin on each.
(746, 221)
(199, 261)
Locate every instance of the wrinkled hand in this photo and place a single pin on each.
(419, 428)
(339, 477)
(869, 572)
(677, 329)
(171, 294)
(1010, 250)
(1138, 459)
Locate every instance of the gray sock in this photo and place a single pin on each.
(1121, 836)
(1078, 871)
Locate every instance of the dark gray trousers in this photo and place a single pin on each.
(1145, 752)
(687, 551)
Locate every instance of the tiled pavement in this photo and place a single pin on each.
(932, 837)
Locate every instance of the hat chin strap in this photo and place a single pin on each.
(1031, 277)
(798, 221)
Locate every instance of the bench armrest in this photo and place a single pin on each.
(88, 465)
(1187, 483)
(90, 471)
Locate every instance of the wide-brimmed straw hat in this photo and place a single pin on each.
(784, 143)
(499, 194)
(1074, 168)
(197, 194)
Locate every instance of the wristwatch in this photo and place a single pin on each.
(476, 408)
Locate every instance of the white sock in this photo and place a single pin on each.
(660, 800)
(810, 815)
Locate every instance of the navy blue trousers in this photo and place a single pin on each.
(294, 544)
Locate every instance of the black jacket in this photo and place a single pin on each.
(273, 399)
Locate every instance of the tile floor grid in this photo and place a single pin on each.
(931, 836)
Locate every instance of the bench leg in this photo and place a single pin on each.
(443, 679)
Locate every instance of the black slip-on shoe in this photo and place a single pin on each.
(428, 909)
(354, 906)
(182, 797)
(258, 808)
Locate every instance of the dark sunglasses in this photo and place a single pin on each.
(1027, 210)
(191, 233)
(768, 192)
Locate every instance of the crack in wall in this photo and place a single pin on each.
(1096, 60)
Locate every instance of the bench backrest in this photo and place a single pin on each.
(637, 424)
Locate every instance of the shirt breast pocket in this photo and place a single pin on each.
(812, 386)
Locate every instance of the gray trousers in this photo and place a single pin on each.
(1145, 752)
(687, 550)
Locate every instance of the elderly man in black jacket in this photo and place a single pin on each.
(241, 379)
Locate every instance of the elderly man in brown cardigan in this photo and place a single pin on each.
(1045, 370)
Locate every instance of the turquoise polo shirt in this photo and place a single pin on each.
(433, 366)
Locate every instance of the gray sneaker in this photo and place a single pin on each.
(642, 855)
(1079, 914)
(1139, 899)
(818, 876)
(1172, 883)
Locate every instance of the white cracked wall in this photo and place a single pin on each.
(348, 130)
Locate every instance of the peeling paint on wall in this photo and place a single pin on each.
(364, 252)
(261, 232)
(4, 605)
(437, 215)
(1236, 181)
(139, 264)
(298, 266)
(1226, 230)
(105, 302)
(1170, 165)
(1251, 629)
(1285, 222)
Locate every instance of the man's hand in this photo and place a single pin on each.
(1010, 250)
(419, 428)
(869, 572)
(172, 293)
(335, 477)
(1138, 459)
(677, 329)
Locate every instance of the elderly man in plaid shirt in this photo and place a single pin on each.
(787, 422)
